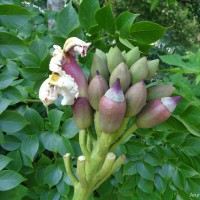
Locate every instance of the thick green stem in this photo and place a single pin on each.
(128, 132)
(68, 168)
(96, 123)
(98, 155)
(81, 171)
(31, 101)
(81, 193)
(83, 143)
(99, 164)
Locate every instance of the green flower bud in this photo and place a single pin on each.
(135, 99)
(122, 72)
(82, 113)
(98, 64)
(112, 108)
(114, 58)
(152, 66)
(139, 70)
(101, 55)
(132, 56)
(159, 91)
(97, 88)
(156, 112)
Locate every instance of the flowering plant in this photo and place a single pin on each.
(103, 106)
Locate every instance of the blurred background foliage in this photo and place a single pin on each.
(182, 16)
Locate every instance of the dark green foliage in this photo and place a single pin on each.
(162, 163)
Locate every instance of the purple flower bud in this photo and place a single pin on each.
(97, 88)
(112, 108)
(82, 113)
(159, 91)
(156, 112)
(70, 66)
(135, 98)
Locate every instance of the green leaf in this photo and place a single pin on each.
(6, 80)
(16, 163)
(154, 4)
(52, 175)
(130, 168)
(39, 176)
(167, 170)
(12, 93)
(153, 159)
(146, 171)
(178, 180)
(64, 146)
(62, 187)
(175, 60)
(192, 186)
(4, 103)
(38, 48)
(67, 20)
(11, 143)
(191, 119)
(124, 22)
(134, 148)
(33, 74)
(160, 183)
(18, 193)
(53, 195)
(176, 138)
(11, 121)
(10, 179)
(86, 12)
(32, 116)
(10, 45)
(145, 185)
(4, 161)
(69, 128)
(1, 137)
(187, 171)
(106, 188)
(49, 141)
(13, 16)
(105, 18)
(30, 146)
(77, 32)
(11, 69)
(191, 146)
(126, 43)
(30, 60)
(55, 117)
(147, 32)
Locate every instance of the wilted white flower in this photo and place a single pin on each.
(57, 50)
(55, 62)
(76, 46)
(48, 93)
(57, 85)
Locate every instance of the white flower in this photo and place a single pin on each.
(48, 93)
(57, 50)
(75, 46)
(55, 62)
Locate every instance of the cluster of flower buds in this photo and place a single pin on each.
(117, 90)
(116, 87)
